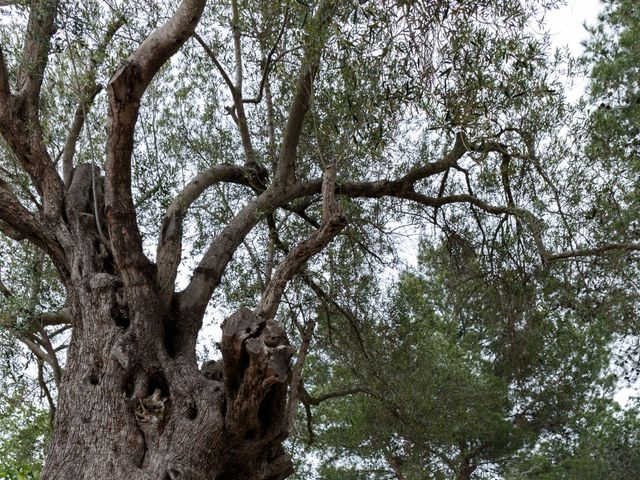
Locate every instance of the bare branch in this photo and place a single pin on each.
(460, 147)
(209, 272)
(61, 317)
(37, 41)
(15, 220)
(170, 242)
(51, 352)
(207, 275)
(268, 61)
(296, 374)
(132, 78)
(322, 295)
(239, 116)
(87, 94)
(609, 248)
(337, 394)
(125, 89)
(333, 222)
(26, 142)
(314, 44)
(69, 149)
(32, 345)
(215, 61)
(237, 45)
(19, 122)
(45, 389)
(5, 88)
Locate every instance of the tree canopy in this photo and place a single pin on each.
(164, 167)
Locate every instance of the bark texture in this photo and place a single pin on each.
(130, 407)
(129, 410)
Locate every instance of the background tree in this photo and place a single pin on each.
(604, 446)
(527, 324)
(235, 141)
(461, 372)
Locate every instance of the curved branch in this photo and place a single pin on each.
(207, 276)
(314, 44)
(333, 222)
(125, 90)
(169, 249)
(16, 221)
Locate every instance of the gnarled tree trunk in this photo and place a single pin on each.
(133, 403)
(129, 409)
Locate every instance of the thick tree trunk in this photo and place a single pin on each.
(128, 410)
(133, 403)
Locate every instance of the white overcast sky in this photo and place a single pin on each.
(566, 24)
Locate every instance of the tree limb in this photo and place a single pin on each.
(595, 251)
(342, 392)
(314, 44)
(322, 295)
(61, 317)
(333, 222)
(40, 29)
(87, 93)
(240, 116)
(207, 276)
(33, 346)
(268, 61)
(169, 249)
(19, 115)
(125, 90)
(5, 88)
(296, 374)
(16, 221)
(45, 390)
(215, 61)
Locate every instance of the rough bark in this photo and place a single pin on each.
(132, 407)
(128, 409)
